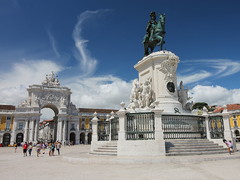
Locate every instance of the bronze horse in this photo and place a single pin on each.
(155, 34)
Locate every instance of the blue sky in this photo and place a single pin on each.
(93, 45)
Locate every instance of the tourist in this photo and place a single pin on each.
(50, 148)
(229, 146)
(25, 147)
(58, 147)
(53, 148)
(38, 148)
(30, 149)
(43, 146)
(15, 145)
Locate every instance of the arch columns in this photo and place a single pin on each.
(13, 134)
(25, 138)
(61, 127)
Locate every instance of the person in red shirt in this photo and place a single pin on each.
(25, 147)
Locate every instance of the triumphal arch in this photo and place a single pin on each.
(50, 94)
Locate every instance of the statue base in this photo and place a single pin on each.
(159, 70)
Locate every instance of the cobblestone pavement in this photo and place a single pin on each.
(76, 163)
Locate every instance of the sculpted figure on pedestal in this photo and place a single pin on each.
(141, 95)
(183, 97)
(155, 33)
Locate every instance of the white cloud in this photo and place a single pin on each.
(191, 78)
(14, 82)
(87, 62)
(215, 95)
(53, 44)
(203, 69)
(99, 92)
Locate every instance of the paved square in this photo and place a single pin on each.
(75, 163)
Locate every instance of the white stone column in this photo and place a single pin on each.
(94, 132)
(59, 130)
(158, 124)
(205, 114)
(122, 125)
(227, 129)
(228, 134)
(64, 132)
(159, 137)
(13, 134)
(109, 127)
(36, 130)
(31, 130)
(25, 138)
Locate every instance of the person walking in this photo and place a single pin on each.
(53, 148)
(30, 148)
(50, 149)
(38, 148)
(58, 147)
(25, 147)
(15, 145)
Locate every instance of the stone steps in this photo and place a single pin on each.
(192, 147)
(110, 149)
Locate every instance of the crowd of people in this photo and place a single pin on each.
(40, 148)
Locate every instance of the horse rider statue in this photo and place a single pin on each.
(155, 33)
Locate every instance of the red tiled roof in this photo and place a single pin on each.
(230, 107)
(48, 120)
(89, 110)
(7, 107)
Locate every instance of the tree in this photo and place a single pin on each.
(200, 105)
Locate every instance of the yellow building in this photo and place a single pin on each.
(234, 111)
(86, 115)
(6, 124)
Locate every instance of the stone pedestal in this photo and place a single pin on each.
(160, 69)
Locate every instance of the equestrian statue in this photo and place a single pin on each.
(155, 33)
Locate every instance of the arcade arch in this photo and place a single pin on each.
(82, 138)
(52, 96)
(48, 123)
(19, 138)
(72, 138)
(6, 139)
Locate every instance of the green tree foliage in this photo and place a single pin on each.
(200, 105)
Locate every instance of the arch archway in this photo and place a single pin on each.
(72, 138)
(50, 95)
(19, 138)
(89, 138)
(237, 135)
(6, 139)
(48, 124)
(82, 138)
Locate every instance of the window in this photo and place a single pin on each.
(235, 124)
(72, 127)
(8, 118)
(20, 125)
(7, 125)
(83, 124)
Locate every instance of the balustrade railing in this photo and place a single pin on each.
(114, 128)
(183, 127)
(103, 130)
(140, 126)
(216, 127)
